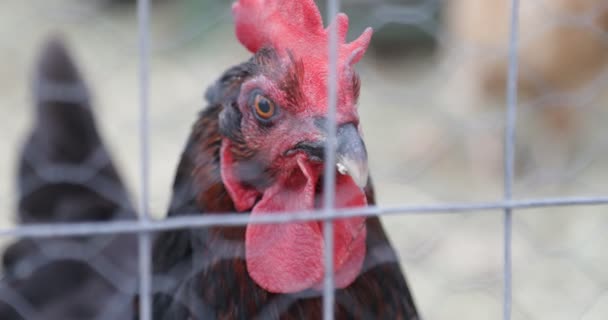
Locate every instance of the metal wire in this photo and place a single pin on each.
(144, 241)
(509, 154)
(329, 182)
(199, 220)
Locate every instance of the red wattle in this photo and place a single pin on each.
(349, 234)
(285, 258)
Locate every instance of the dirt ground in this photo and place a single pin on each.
(417, 143)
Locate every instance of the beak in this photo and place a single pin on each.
(351, 155)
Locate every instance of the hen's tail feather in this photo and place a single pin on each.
(66, 175)
(65, 172)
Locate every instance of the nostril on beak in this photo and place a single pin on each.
(314, 149)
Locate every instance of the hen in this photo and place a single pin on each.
(258, 148)
(66, 175)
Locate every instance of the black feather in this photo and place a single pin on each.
(66, 175)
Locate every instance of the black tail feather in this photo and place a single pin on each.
(64, 156)
(66, 175)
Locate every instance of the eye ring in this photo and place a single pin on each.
(263, 108)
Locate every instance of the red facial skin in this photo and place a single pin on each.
(284, 258)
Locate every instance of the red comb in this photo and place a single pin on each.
(293, 25)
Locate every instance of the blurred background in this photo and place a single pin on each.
(433, 113)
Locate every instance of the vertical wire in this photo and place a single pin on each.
(329, 182)
(144, 247)
(143, 16)
(145, 273)
(510, 153)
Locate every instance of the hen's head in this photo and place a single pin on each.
(274, 128)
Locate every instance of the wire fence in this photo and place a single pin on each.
(520, 73)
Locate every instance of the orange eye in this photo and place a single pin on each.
(264, 108)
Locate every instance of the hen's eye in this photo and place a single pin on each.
(263, 107)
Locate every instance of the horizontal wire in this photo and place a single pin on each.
(198, 220)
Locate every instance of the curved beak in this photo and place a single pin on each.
(351, 155)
